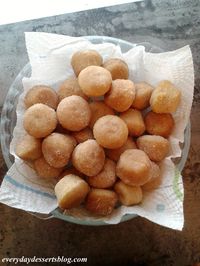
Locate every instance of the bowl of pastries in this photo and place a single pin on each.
(100, 136)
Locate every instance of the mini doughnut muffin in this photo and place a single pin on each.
(70, 171)
(128, 195)
(98, 110)
(133, 167)
(101, 201)
(70, 87)
(155, 180)
(110, 131)
(45, 170)
(74, 113)
(83, 135)
(142, 95)
(159, 124)
(83, 59)
(40, 120)
(88, 157)
(29, 148)
(95, 80)
(156, 147)
(114, 154)
(121, 95)
(41, 94)
(106, 178)
(117, 67)
(71, 191)
(57, 149)
(134, 121)
(165, 98)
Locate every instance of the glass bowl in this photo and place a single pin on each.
(8, 121)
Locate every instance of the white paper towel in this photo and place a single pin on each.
(50, 56)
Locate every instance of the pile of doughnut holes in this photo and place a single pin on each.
(101, 136)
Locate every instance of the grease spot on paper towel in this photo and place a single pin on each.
(160, 207)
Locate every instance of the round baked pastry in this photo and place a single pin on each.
(40, 120)
(142, 95)
(70, 87)
(110, 131)
(88, 157)
(29, 148)
(101, 201)
(156, 147)
(74, 113)
(95, 80)
(165, 98)
(106, 178)
(155, 180)
(134, 121)
(159, 124)
(71, 191)
(45, 170)
(128, 195)
(121, 95)
(41, 94)
(83, 59)
(133, 167)
(117, 67)
(98, 110)
(114, 154)
(83, 135)
(57, 149)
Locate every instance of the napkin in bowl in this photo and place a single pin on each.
(50, 56)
